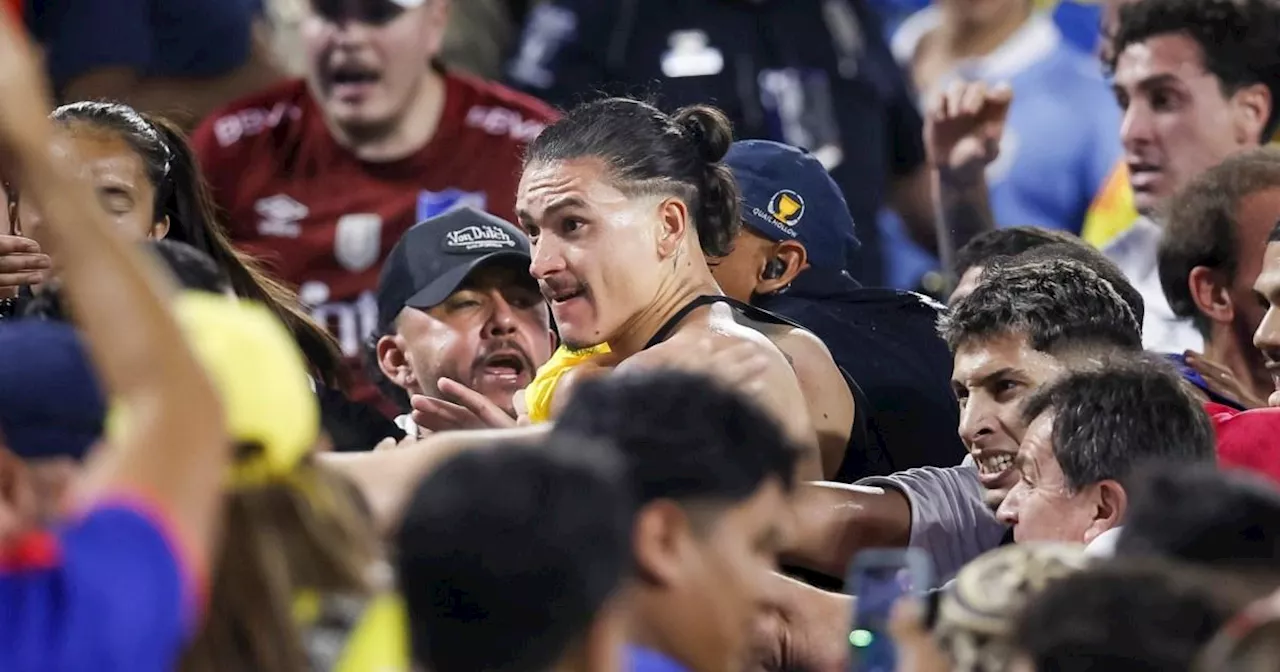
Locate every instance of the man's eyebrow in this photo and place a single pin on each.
(561, 204)
(1006, 372)
(1156, 81)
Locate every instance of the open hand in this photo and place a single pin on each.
(21, 263)
(467, 410)
(1220, 379)
(963, 126)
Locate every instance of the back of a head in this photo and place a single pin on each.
(1055, 303)
(1201, 228)
(1128, 616)
(976, 615)
(648, 152)
(1203, 516)
(1127, 412)
(1096, 261)
(1007, 242)
(506, 555)
(684, 436)
(193, 269)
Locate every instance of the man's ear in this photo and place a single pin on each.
(659, 540)
(673, 218)
(1211, 294)
(1110, 504)
(394, 362)
(1253, 105)
(793, 258)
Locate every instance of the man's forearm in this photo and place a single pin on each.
(963, 211)
(387, 478)
(834, 521)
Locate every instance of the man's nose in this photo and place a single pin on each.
(502, 317)
(1007, 513)
(976, 421)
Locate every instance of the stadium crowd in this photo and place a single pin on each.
(587, 336)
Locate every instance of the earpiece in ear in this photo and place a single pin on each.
(774, 269)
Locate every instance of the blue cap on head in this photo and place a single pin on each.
(50, 401)
(788, 195)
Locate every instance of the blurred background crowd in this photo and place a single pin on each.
(591, 335)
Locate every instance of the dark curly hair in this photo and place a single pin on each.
(1237, 38)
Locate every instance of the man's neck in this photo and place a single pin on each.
(958, 40)
(1243, 361)
(691, 281)
(406, 135)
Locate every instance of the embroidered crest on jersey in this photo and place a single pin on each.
(435, 203)
(469, 239)
(357, 242)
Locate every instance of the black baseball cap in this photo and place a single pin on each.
(433, 258)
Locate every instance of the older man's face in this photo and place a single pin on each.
(1041, 507)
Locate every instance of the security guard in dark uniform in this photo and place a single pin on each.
(789, 260)
(811, 73)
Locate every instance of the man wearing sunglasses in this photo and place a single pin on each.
(320, 177)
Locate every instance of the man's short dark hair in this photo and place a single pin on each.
(684, 436)
(1202, 515)
(1130, 411)
(1237, 38)
(1056, 303)
(1088, 255)
(1007, 242)
(1128, 615)
(506, 555)
(1201, 228)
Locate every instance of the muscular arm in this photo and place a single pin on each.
(827, 395)
(387, 478)
(835, 521)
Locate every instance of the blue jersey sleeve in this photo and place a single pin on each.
(81, 35)
(106, 593)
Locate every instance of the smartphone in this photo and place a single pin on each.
(876, 579)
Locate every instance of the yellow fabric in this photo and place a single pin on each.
(540, 392)
(261, 376)
(377, 642)
(380, 643)
(1112, 211)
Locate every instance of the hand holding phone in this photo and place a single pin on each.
(878, 578)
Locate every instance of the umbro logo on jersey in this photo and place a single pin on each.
(280, 216)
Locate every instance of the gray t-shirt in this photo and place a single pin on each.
(949, 518)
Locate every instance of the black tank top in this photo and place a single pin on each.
(859, 439)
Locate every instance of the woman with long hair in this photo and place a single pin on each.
(148, 181)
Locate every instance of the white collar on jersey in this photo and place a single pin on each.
(1032, 43)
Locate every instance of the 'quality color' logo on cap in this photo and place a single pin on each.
(472, 238)
(787, 206)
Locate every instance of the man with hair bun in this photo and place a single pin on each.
(622, 204)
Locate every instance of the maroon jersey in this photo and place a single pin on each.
(323, 220)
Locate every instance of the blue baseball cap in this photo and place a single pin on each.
(788, 195)
(50, 402)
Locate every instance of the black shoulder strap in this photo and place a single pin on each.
(665, 330)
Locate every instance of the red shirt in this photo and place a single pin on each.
(1248, 439)
(323, 220)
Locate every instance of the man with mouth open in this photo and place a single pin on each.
(1023, 326)
(461, 316)
(321, 176)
